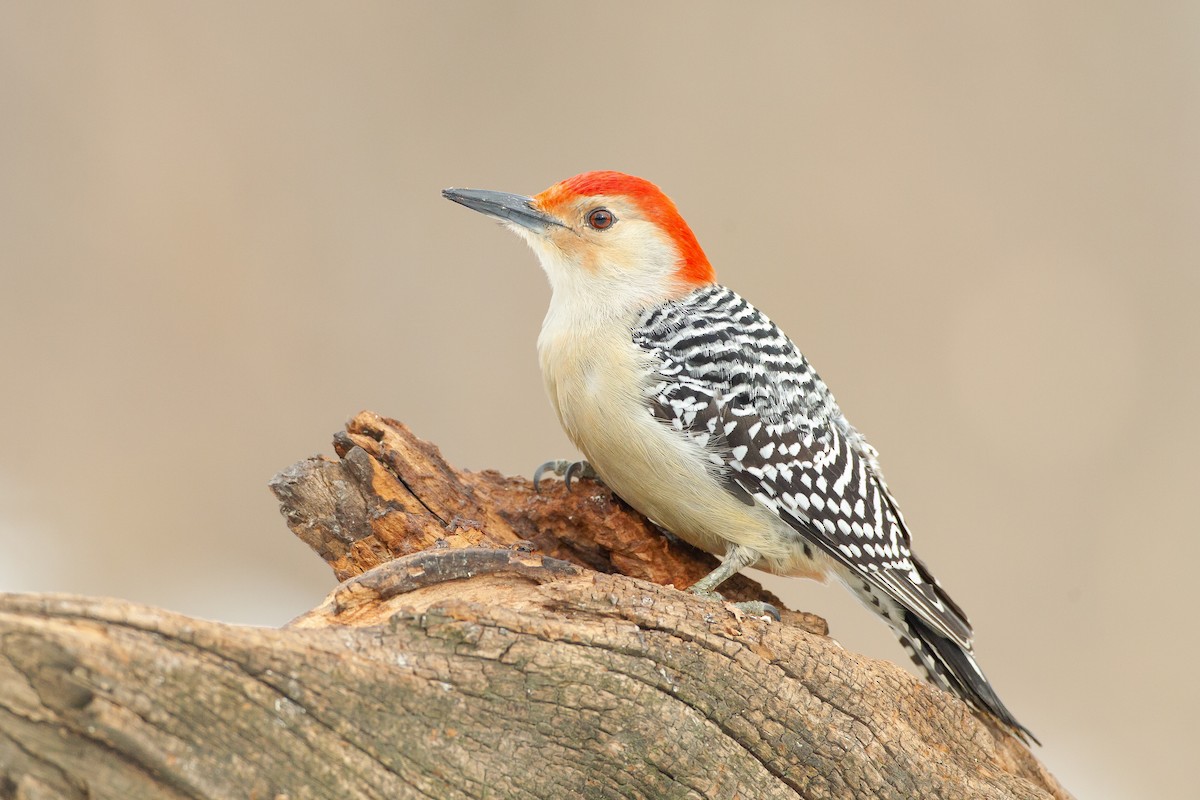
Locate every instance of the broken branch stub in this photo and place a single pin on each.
(391, 494)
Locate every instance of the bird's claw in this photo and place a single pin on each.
(758, 608)
(557, 467)
(567, 470)
(754, 608)
(579, 469)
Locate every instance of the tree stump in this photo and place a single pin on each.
(486, 642)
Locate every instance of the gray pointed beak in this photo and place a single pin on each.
(505, 206)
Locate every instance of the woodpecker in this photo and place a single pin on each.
(698, 411)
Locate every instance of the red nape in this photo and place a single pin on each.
(657, 207)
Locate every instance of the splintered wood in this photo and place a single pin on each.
(391, 494)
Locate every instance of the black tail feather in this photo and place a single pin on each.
(958, 669)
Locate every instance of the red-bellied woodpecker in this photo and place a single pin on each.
(699, 412)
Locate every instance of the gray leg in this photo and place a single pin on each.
(736, 559)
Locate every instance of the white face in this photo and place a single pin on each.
(605, 263)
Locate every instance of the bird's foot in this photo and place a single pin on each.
(758, 608)
(754, 608)
(567, 470)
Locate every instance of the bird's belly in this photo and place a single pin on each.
(661, 472)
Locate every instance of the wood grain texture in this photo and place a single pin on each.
(474, 667)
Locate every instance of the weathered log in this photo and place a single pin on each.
(504, 654)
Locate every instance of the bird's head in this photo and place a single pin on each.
(603, 238)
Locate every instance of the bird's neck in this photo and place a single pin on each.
(589, 363)
(575, 314)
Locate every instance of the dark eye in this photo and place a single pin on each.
(600, 218)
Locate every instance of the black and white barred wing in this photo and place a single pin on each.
(727, 376)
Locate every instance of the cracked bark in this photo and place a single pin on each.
(485, 642)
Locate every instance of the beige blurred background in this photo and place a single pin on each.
(221, 236)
